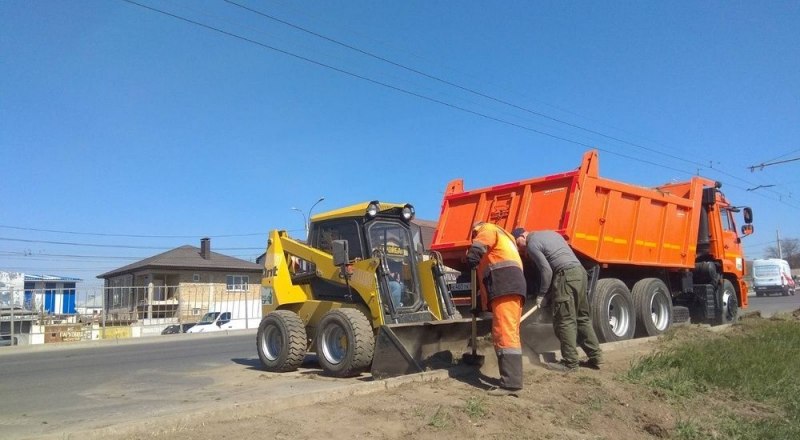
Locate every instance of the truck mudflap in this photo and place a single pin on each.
(408, 348)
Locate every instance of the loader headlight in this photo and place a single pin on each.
(373, 208)
(408, 212)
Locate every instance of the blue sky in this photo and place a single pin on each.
(154, 132)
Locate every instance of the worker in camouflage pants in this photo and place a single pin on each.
(563, 282)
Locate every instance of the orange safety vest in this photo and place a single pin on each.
(501, 248)
(499, 251)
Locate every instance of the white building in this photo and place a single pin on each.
(48, 294)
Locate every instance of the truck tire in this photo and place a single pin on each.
(730, 304)
(612, 311)
(653, 306)
(281, 341)
(345, 342)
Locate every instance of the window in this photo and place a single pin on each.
(727, 220)
(237, 283)
(196, 278)
(338, 230)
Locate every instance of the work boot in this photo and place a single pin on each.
(593, 363)
(500, 392)
(560, 366)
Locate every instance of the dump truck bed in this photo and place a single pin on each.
(604, 220)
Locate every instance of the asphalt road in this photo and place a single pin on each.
(54, 391)
(770, 305)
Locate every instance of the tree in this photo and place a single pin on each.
(790, 249)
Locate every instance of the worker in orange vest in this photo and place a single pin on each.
(502, 282)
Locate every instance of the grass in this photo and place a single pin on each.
(439, 419)
(475, 407)
(758, 362)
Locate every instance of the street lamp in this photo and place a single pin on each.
(307, 218)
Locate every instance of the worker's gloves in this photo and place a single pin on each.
(472, 261)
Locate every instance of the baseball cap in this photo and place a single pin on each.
(517, 232)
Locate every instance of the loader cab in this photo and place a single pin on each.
(393, 242)
(384, 232)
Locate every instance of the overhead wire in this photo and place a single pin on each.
(398, 89)
(475, 92)
(458, 86)
(121, 246)
(441, 102)
(100, 234)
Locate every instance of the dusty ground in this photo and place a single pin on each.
(586, 405)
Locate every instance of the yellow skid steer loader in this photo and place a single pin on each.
(362, 294)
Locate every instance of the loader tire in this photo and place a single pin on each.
(729, 312)
(345, 343)
(653, 306)
(281, 341)
(613, 314)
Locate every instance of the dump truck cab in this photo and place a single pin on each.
(362, 287)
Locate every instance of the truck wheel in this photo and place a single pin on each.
(612, 311)
(281, 341)
(653, 305)
(730, 304)
(345, 342)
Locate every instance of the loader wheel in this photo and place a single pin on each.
(345, 342)
(653, 305)
(612, 311)
(281, 341)
(730, 304)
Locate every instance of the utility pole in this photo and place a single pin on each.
(780, 251)
(306, 219)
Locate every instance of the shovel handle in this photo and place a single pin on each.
(529, 312)
(474, 290)
(474, 287)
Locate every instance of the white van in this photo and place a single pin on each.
(772, 276)
(217, 321)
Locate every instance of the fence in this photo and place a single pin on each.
(35, 316)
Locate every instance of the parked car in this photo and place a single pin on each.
(217, 321)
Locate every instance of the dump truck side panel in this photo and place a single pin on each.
(607, 221)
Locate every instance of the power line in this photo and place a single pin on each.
(100, 234)
(438, 101)
(398, 89)
(452, 84)
(763, 165)
(125, 246)
(475, 92)
(33, 255)
(783, 155)
(28, 255)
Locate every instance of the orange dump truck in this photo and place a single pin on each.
(654, 255)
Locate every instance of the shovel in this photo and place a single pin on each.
(474, 358)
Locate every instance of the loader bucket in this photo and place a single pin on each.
(415, 347)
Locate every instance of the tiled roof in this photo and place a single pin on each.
(427, 227)
(185, 257)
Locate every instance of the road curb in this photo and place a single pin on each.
(350, 390)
